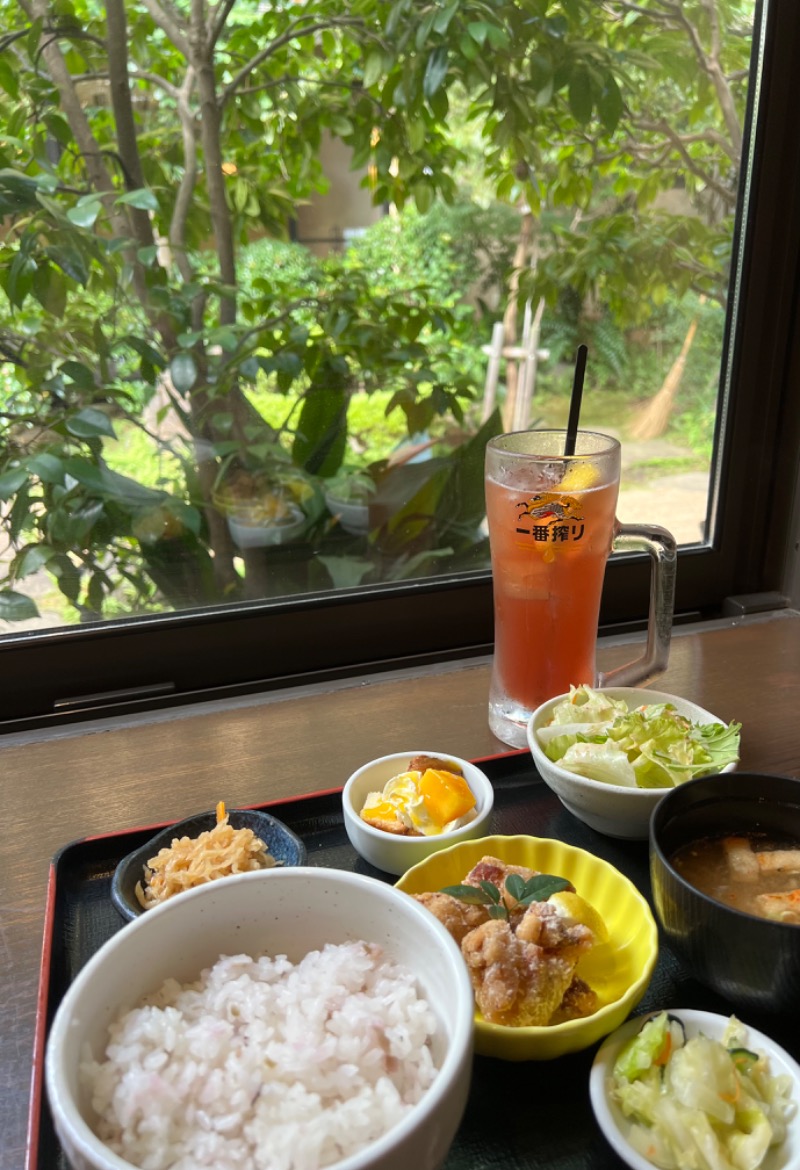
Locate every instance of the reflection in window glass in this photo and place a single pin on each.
(270, 281)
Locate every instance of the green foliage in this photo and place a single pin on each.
(269, 263)
(628, 367)
(655, 201)
(321, 437)
(131, 282)
(462, 252)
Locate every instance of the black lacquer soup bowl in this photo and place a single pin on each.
(752, 961)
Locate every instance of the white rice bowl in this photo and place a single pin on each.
(328, 1050)
(264, 1063)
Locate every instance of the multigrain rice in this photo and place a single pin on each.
(265, 1065)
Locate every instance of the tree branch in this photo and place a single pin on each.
(99, 177)
(672, 14)
(117, 49)
(320, 83)
(712, 137)
(168, 19)
(710, 64)
(278, 319)
(628, 6)
(702, 288)
(183, 200)
(649, 154)
(210, 121)
(724, 95)
(292, 33)
(158, 81)
(725, 193)
(217, 20)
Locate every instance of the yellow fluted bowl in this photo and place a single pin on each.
(618, 970)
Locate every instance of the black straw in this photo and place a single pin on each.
(575, 400)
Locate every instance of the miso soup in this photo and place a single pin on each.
(755, 873)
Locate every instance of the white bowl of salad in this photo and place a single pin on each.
(692, 1088)
(610, 755)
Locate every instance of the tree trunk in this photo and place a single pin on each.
(510, 318)
(91, 154)
(117, 48)
(202, 60)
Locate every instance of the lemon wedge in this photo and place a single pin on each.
(577, 908)
(579, 477)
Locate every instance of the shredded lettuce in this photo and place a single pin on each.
(586, 705)
(600, 761)
(572, 730)
(589, 734)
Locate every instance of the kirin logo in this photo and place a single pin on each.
(549, 508)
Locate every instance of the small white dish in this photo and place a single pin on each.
(395, 854)
(615, 1126)
(608, 808)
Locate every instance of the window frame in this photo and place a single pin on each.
(202, 654)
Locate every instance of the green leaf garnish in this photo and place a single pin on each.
(491, 890)
(535, 889)
(473, 895)
(523, 890)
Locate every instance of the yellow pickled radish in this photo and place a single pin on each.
(579, 477)
(446, 796)
(577, 908)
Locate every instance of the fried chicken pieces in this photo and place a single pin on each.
(523, 968)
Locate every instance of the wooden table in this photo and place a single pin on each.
(92, 779)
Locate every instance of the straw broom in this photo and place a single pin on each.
(654, 416)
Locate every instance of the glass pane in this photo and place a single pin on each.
(264, 304)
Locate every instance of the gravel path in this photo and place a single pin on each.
(678, 503)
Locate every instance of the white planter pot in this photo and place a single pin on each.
(353, 516)
(262, 535)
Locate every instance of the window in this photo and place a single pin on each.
(270, 635)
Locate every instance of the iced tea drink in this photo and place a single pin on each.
(551, 528)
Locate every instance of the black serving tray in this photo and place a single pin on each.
(519, 1116)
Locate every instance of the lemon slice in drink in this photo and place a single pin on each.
(577, 908)
(579, 477)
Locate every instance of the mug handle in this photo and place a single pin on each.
(661, 547)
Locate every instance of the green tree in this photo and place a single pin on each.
(144, 144)
(648, 212)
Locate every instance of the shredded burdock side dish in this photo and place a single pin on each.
(191, 861)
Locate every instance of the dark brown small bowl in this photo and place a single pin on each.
(751, 961)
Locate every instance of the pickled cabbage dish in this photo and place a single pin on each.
(698, 1103)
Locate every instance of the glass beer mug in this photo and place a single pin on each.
(552, 528)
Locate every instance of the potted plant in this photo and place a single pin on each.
(348, 496)
(262, 509)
